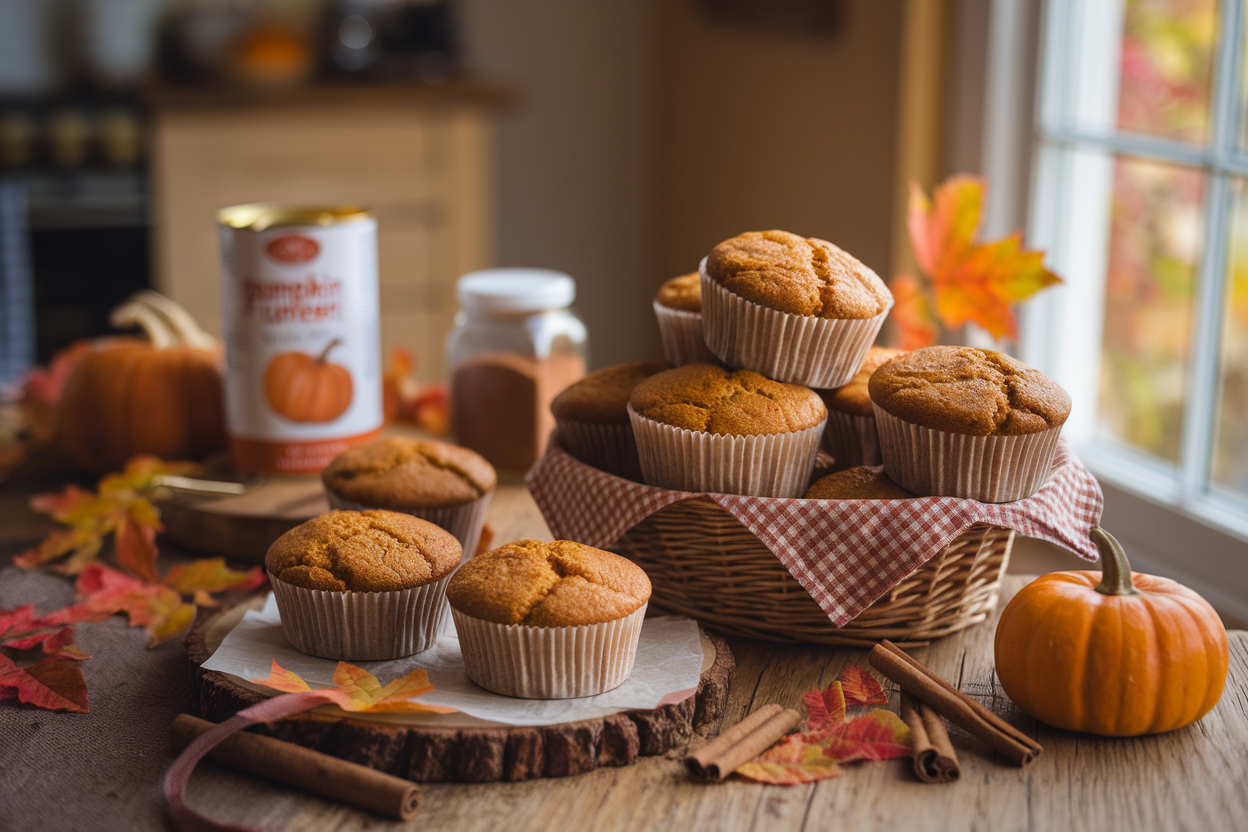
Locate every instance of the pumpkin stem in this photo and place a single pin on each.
(185, 327)
(320, 359)
(1115, 571)
(136, 313)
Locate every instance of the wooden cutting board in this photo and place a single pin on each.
(474, 751)
(243, 526)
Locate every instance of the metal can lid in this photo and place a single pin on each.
(261, 216)
(511, 291)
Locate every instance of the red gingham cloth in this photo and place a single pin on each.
(845, 553)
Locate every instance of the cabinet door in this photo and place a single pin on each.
(423, 171)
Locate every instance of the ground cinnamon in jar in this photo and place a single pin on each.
(515, 346)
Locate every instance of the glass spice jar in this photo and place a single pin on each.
(515, 345)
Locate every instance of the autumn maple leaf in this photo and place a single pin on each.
(860, 687)
(912, 313)
(55, 683)
(212, 575)
(158, 609)
(972, 281)
(360, 692)
(824, 707)
(818, 755)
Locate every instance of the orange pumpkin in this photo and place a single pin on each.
(1106, 654)
(128, 396)
(307, 389)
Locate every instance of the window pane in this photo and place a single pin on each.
(1154, 248)
(1230, 451)
(1166, 65)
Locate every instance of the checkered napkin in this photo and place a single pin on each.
(845, 553)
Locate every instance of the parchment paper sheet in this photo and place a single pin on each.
(667, 669)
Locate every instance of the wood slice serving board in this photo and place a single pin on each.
(468, 753)
(243, 526)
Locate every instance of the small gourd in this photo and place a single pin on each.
(1111, 653)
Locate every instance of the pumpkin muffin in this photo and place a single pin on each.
(552, 620)
(445, 484)
(592, 416)
(860, 483)
(362, 585)
(797, 309)
(967, 422)
(678, 308)
(705, 428)
(850, 436)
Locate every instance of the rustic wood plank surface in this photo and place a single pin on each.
(1189, 779)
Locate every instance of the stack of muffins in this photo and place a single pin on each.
(788, 323)
(372, 579)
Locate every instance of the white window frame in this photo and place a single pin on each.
(1171, 521)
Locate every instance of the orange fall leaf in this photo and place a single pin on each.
(360, 691)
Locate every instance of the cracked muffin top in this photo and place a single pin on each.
(557, 584)
(683, 293)
(708, 398)
(363, 551)
(602, 396)
(399, 472)
(853, 398)
(861, 483)
(799, 275)
(969, 391)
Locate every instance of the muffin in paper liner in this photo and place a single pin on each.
(361, 626)
(464, 521)
(681, 332)
(608, 447)
(851, 440)
(760, 465)
(799, 349)
(990, 469)
(549, 662)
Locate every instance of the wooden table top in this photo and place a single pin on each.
(1192, 778)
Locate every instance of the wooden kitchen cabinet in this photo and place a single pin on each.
(419, 157)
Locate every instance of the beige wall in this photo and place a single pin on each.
(643, 134)
(757, 131)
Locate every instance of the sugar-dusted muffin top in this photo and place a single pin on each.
(798, 275)
(363, 551)
(558, 584)
(683, 293)
(861, 483)
(399, 472)
(853, 398)
(708, 398)
(602, 396)
(969, 391)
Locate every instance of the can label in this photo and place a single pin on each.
(303, 380)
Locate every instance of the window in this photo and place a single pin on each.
(1140, 197)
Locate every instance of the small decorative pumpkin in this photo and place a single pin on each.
(307, 389)
(1117, 658)
(128, 396)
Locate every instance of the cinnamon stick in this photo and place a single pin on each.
(935, 760)
(741, 743)
(294, 765)
(952, 704)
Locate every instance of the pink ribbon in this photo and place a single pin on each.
(186, 818)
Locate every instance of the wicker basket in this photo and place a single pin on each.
(704, 563)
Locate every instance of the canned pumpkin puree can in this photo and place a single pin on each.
(303, 377)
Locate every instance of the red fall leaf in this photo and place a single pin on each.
(158, 609)
(824, 707)
(818, 755)
(861, 688)
(53, 683)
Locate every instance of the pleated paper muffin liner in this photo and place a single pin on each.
(681, 332)
(762, 465)
(361, 626)
(799, 349)
(851, 440)
(548, 662)
(609, 448)
(463, 521)
(936, 463)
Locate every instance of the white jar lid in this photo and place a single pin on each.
(515, 290)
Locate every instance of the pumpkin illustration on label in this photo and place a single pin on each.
(304, 388)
